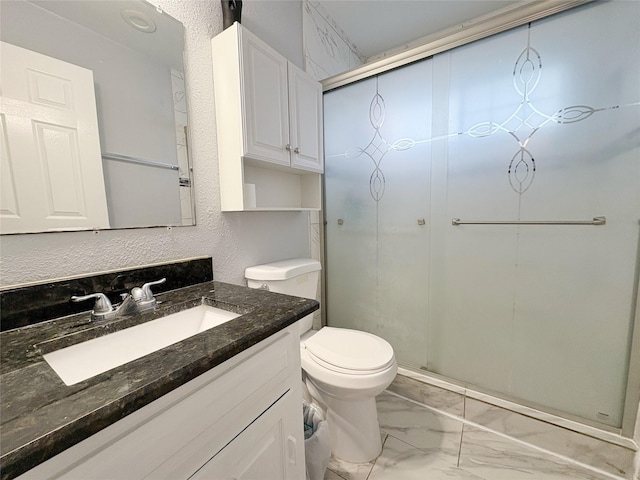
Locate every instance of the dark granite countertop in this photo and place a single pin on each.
(40, 416)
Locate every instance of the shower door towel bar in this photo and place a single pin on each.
(139, 161)
(595, 221)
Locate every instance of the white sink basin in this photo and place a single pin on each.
(84, 360)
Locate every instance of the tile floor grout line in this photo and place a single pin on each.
(387, 435)
(338, 474)
(464, 415)
(464, 422)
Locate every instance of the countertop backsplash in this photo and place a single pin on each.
(25, 305)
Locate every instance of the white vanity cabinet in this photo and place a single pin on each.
(242, 419)
(269, 126)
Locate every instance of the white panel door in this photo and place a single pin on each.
(52, 175)
(305, 120)
(266, 106)
(262, 451)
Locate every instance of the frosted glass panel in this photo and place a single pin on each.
(583, 323)
(538, 123)
(377, 190)
(551, 325)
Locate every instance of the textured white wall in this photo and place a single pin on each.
(234, 240)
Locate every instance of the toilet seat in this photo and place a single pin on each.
(349, 351)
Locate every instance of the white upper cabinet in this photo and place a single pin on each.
(269, 126)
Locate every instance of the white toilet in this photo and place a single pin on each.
(344, 369)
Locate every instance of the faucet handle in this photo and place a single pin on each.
(102, 305)
(136, 293)
(147, 294)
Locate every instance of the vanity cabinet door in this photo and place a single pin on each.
(264, 449)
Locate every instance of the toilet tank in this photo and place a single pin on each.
(297, 276)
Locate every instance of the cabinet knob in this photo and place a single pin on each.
(296, 150)
(287, 147)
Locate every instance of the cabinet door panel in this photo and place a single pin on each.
(305, 112)
(263, 450)
(265, 111)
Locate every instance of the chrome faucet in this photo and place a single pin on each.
(139, 300)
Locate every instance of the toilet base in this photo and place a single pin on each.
(354, 429)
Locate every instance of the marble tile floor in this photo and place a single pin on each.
(420, 443)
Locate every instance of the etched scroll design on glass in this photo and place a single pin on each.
(378, 147)
(521, 125)
(526, 119)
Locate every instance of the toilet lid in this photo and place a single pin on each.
(343, 349)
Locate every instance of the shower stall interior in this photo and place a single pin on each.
(482, 210)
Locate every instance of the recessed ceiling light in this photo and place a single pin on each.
(139, 21)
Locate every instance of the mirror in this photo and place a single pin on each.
(93, 117)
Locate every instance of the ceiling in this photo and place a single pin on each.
(376, 26)
(107, 18)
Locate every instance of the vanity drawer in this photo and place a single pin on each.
(178, 433)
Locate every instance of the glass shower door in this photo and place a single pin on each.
(537, 124)
(541, 313)
(377, 177)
